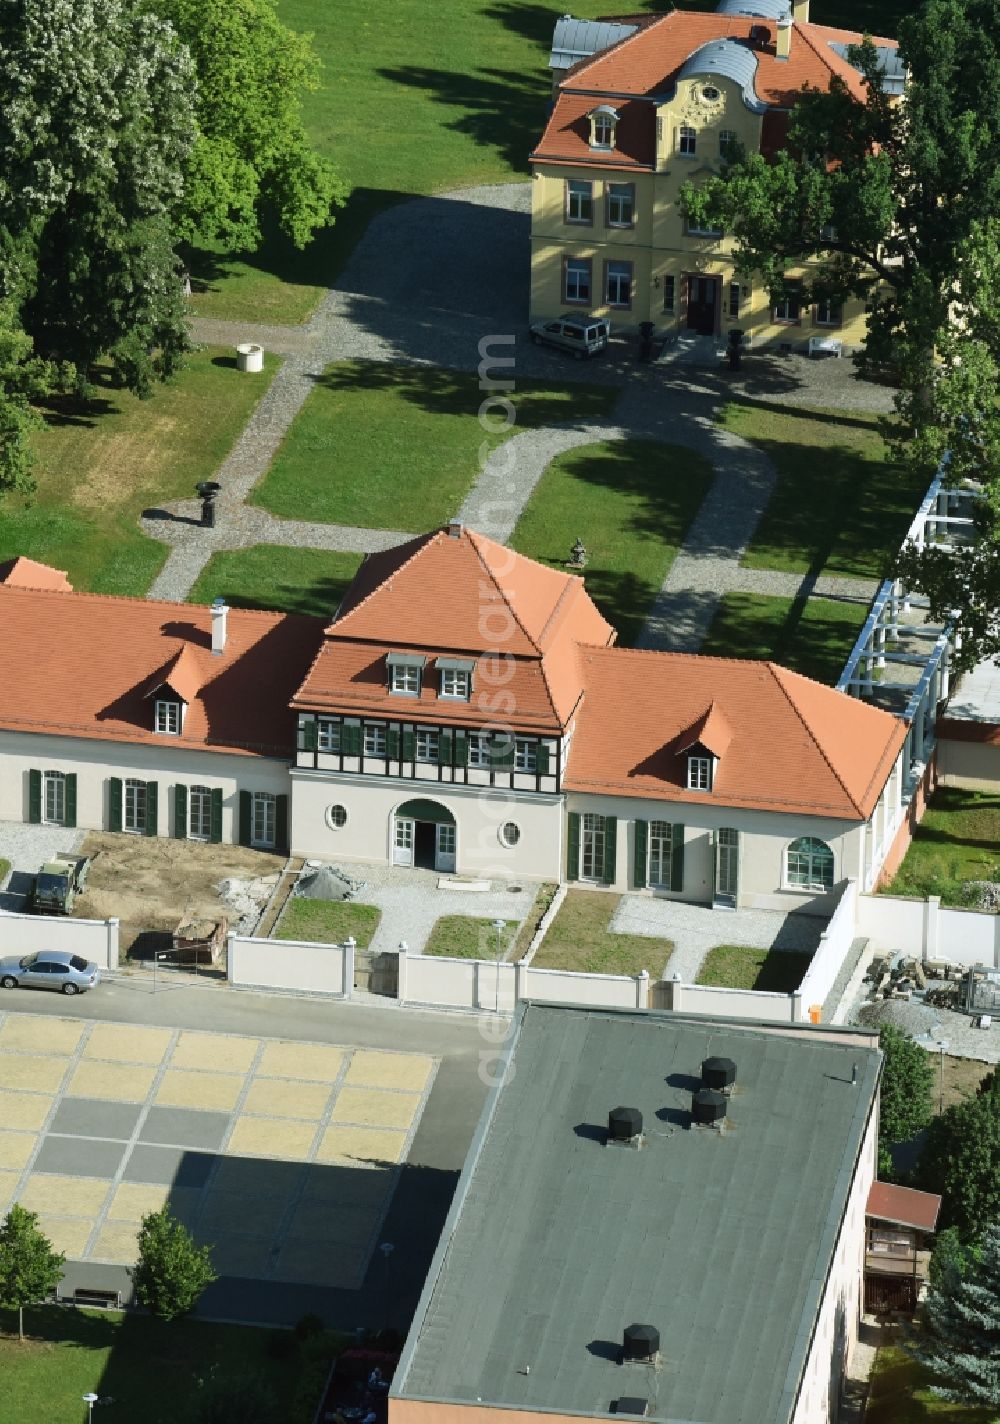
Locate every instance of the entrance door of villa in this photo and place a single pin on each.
(727, 867)
(402, 849)
(444, 856)
(701, 306)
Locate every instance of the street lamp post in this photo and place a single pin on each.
(90, 1400)
(943, 1046)
(499, 926)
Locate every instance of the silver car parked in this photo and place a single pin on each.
(581, 335)
(49, 969)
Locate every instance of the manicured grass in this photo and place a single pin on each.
(958, 840)
(579, 938)
(272, 576)
(630, 501)
(901, 1394)
(100, 464)
(741, 966)
(4, 869)
(328, 921)
(467, 937)
(153, 1371)
(839, 506)
(812, 636)
(397, 447)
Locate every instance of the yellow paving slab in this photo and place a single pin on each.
(315, 1061)
(24, 1110)
(366, 1144)
(125, 1083)
(134, 1200)
(271, 1137)
(375, 1107)
(182, 1088)
(117, 1241)
(218, 1052)
(41, 1074)
(408, 1071)
(127, 1043)
(68, 1234)
(30, 1034)
(283, 1097)
(8, 1186)
(64, 1195)
(16, 1148)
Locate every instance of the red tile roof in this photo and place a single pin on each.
(26, 573)
(903, 1206)
(647, 64)
(81, 664)
(796, 745)
(711, 731)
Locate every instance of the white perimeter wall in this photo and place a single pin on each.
(834, 943)
(290, 964)
(925, 930)
(96, 940)
(484, 984)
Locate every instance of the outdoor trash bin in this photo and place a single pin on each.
(249, 356)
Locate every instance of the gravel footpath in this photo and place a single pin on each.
(695, 929)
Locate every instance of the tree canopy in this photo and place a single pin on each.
(29, 1267)
(171, 1272)
(905, 1095)
(960, 1343)
(961, 1161)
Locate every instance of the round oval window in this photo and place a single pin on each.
(710, 93)
(510, 834)
(336, 816)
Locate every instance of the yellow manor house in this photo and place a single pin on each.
(640, 106)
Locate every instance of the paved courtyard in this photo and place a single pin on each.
(695, 929)
(283, 1155)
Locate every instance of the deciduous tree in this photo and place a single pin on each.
(171, 1272)
(961, 1161)
(29, 1268)
(905, 1096)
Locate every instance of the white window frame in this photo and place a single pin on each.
(263, 814)
(525, 755)
(479, 750)
(54, 793)
(509, 833)
(404, 680)
(815, 851)
(580, 269)
(699, 777)
(375, 743)
(624, 199)
(603, 131)
(780, 312)
(456, 684)
(328, 734)
(618, 277)
(693, 231)
(336, 816)
(727, 137)
(427, 745)
(827, 305)
(687, 141)
(577, 201)
(203, 796)
(135, 804)
(168, 718)
(669, 292)
(593, 845)
(660, 853)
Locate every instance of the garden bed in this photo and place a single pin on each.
(742, 966)
(328, 921)
(468, 937)
(580, 938)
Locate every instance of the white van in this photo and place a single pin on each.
(583, 335)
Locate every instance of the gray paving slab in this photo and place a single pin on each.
(79, 1156)
(266, 1178)
(185, 1127)
(167, 1166)
(95, 1117)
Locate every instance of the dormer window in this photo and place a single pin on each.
(603, 126)
(699, 773)
(405, 673)
(168, 717)
(456, 678)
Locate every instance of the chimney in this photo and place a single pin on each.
(219, 615)
(783, 39)
(800, 11)
(454, 528)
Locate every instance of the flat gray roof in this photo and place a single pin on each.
(722, 1241)
(977, 696)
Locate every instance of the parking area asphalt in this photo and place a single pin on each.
(297, 1158)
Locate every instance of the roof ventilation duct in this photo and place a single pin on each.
(719, 1074)
(641, 1344)
(625, 1126)
(708, 1108)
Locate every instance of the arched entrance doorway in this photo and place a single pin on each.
(423, 834)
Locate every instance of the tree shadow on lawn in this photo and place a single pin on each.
(318, 599)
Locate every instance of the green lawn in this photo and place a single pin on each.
(153, 1371)
(579, 938)
(544, 896)
(630, 501)
(102, 462)
(839, 506)
(397, 446)
(468, 937)
(328, 921)
(4, 868)
(900, 1394)
(958, 840)
(812, 636)
(271, 576)
(741, 966)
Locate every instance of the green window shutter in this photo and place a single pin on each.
(70, 799)
(502, 753)
(639, 862)
(246, 818)
(677, 857)
(35, 797)
(308, 734)
(392, 744)
(610, 850)
(115, 803)
(350, 741)
(542, 761)
(444, 749)
(573, 846)
(152, 818)
(409, 744)
(461, 749)
(281, 824)
(180, 813)
(216, 834)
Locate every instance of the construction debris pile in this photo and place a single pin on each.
(326, 882)
(246, 900)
